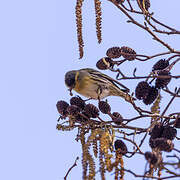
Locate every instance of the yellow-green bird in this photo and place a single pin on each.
(94, 84)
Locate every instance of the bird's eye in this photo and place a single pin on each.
(70, 79)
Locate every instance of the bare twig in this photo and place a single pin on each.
(75, 164)
(170, 103)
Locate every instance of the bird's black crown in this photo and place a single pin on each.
(70, 79)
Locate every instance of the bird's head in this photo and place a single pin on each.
(70, 79)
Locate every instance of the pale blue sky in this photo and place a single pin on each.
(37, 46)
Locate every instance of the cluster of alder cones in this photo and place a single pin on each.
(161, 137)
(82, 112)
(144, 91)
(114, 53)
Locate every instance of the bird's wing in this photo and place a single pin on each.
(104, 78)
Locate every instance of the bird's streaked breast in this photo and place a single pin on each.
(89, 89)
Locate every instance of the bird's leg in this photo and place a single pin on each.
(99, 99)
(99, 92)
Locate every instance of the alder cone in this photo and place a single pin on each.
(152, 95)
(142, 90)
(78, 101)
(104, 107)
(104, 63)
(114, 52)
(160, 65)
(162, 82)
(131, 54)
(120, 146)
(91, 110)
(62, 107)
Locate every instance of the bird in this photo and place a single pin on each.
(95, 85)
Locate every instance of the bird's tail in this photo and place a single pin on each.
(118, 92)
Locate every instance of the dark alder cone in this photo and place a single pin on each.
(120, 146)
(86, 115)
(151, 157)
(78, 101)
(169, 132)
(104, 107)
(117, 118)
(62, 107)
(162, 82)
(73, 110)
(148, 155)
(114, 52)
(154, 159)
(160, 65)
(142, 90)
(152, 95)
(79, 118)
(163, 144)
(151, 142)
(147, 4)
(157, 131)
(91, 110)
(131, 54)
(104, 63)
(177, 123)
